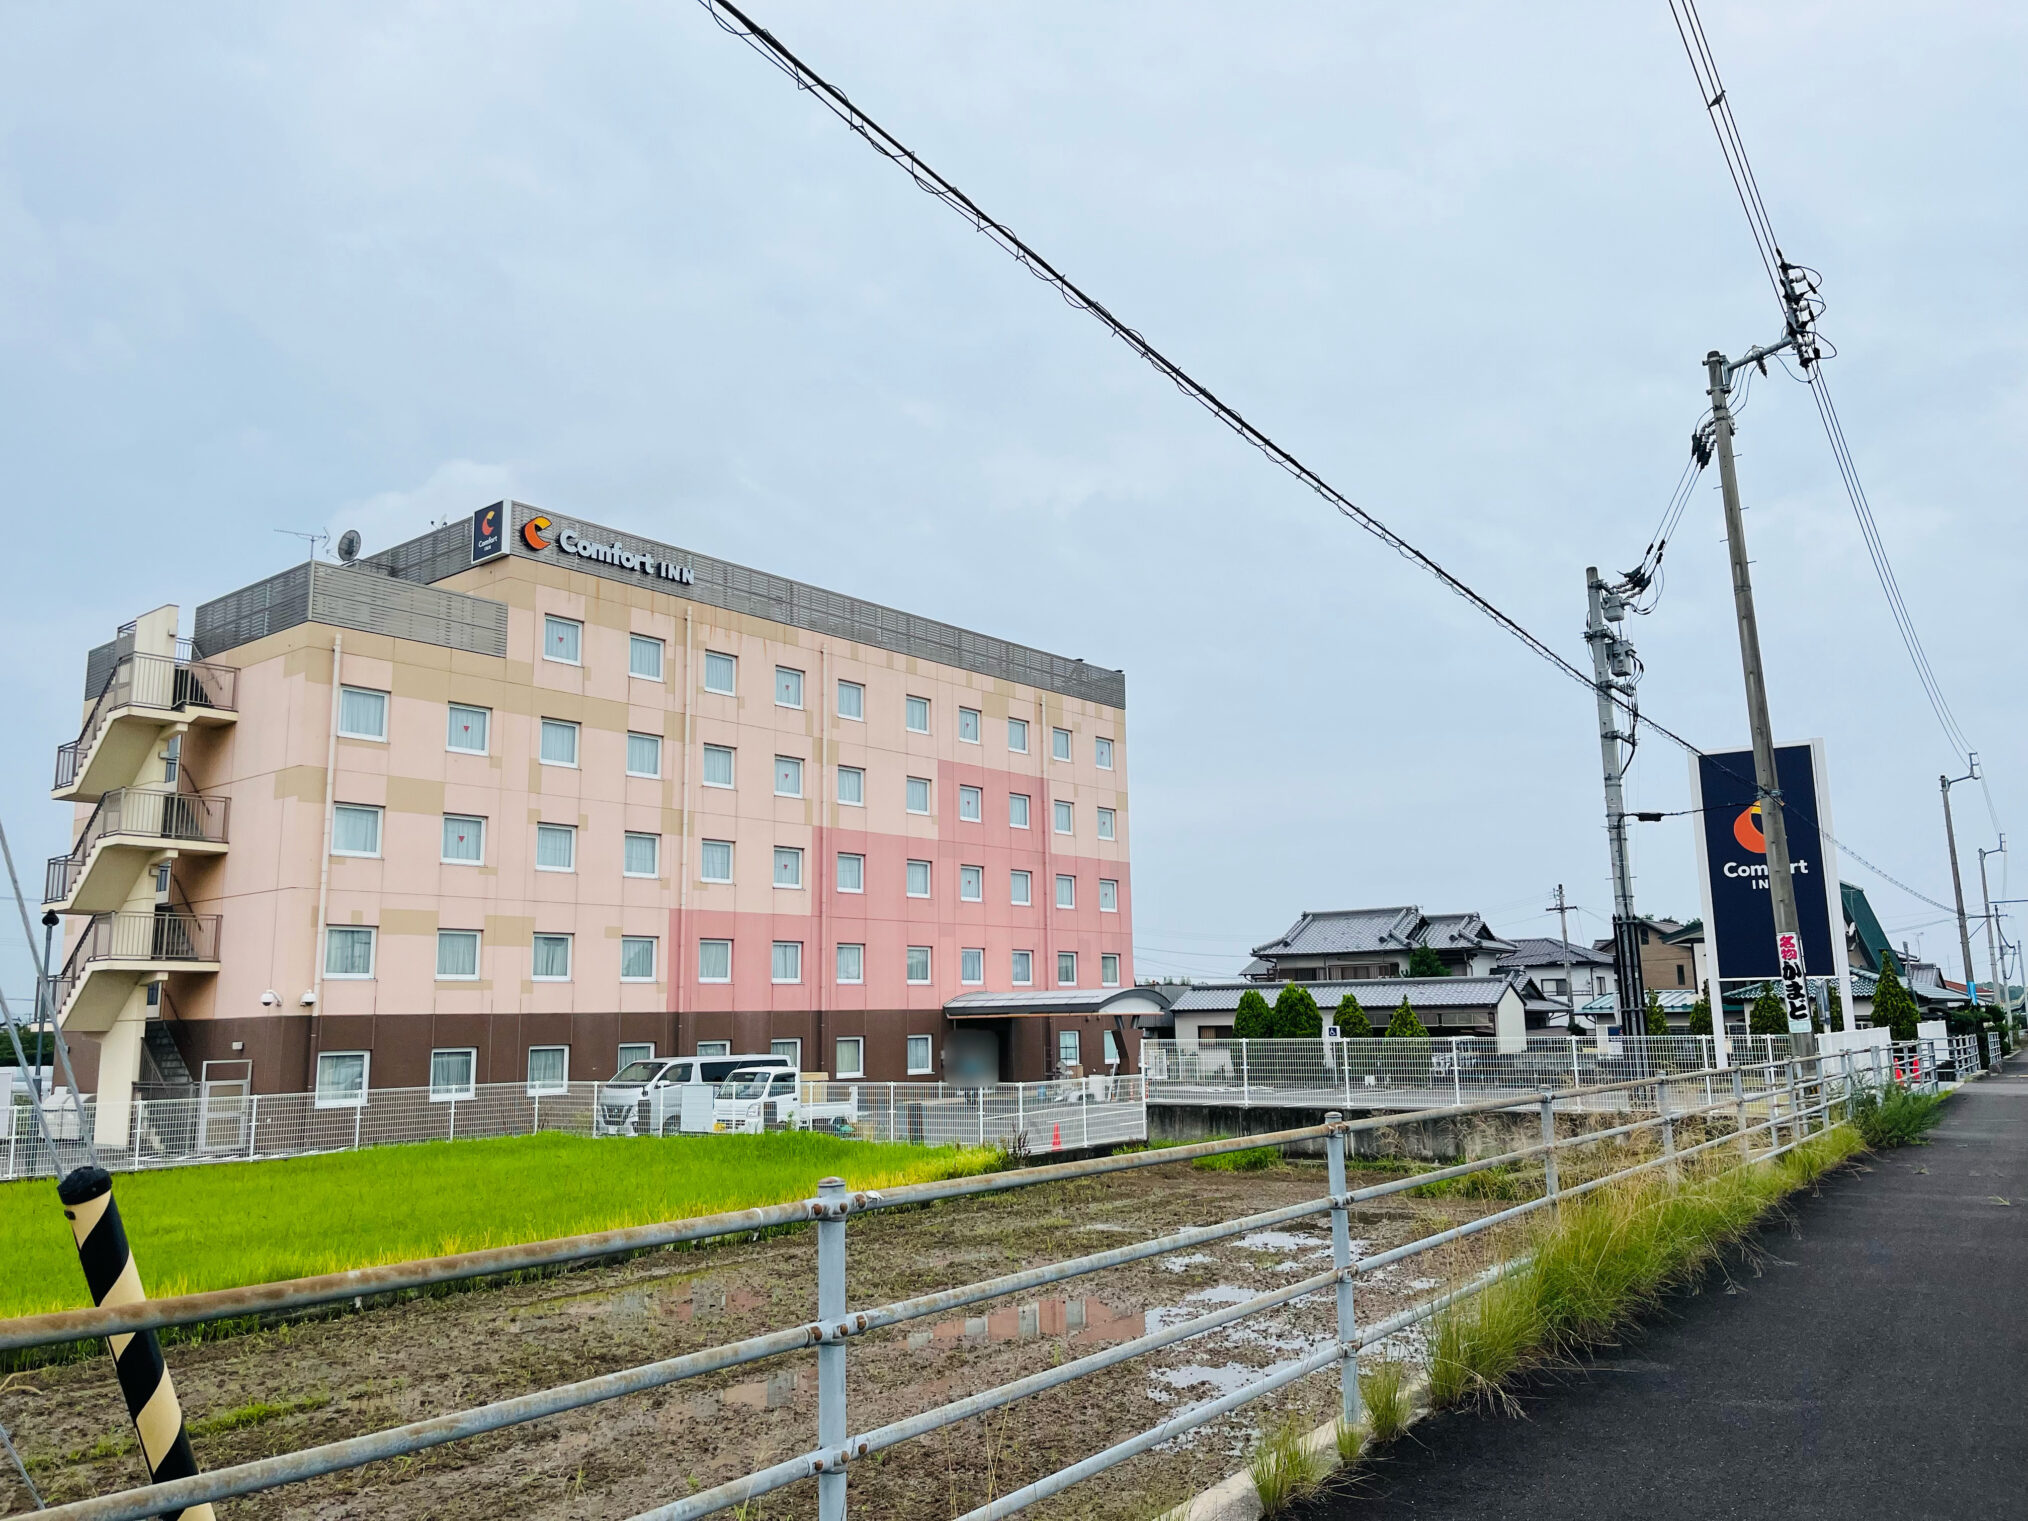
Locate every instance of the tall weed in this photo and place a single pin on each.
(1890, 1115)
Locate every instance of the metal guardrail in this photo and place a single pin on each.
(162, 682)
(135, 812)
(1747, 1107)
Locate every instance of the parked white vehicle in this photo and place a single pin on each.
(665, 1095)
(756, 1099)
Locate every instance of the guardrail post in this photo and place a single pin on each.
(1575, 1080)
(1457, 1080)
(1245, 1081)
(1349, 1410)
(831, 1423)
(253, 1122)
(1020, 1109)
(1668, 1131)
(1739, 1112)
(1549, 1182)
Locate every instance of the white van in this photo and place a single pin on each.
(667, 1094)
(754, 1099)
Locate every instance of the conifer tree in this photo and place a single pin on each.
(1424, 962)
(1253, 1020)
(1893, 1005)
(1295, 1014)
(1657, 1021)
(1700, 1014)
(1405, 1025)
(1768, 1016)
(1351, 1017)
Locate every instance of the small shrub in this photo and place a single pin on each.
(1424, 962)
(1480, 1342)
(1283, 1469)
(1767, 1016)
(1893, 1005)
(1351, 1019)
(1700, 1014)
(1657, 1021)
(1507, 1182)
(1384, 1392)
(1405, 1025)
(1253, 1019)
(1890, 1115)
(1295, 1015)
(1253, 1159)
(1351, 1445)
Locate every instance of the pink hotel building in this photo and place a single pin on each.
(526, 797)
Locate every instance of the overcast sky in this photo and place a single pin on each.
(313, 268)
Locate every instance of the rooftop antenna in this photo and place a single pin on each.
(316, 540)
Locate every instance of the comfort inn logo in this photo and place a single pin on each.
(532, 531)
(1746, 829)
(535, 533)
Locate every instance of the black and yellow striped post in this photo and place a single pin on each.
(113, 1279)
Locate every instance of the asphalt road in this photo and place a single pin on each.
(1876, 1366)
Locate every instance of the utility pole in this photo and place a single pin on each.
(1767, 783)
(1612, 670)
(1563, 929)
(1945, 783)
(1992, 949)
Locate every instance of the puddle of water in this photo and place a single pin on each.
(1276, 1241)
(1185, 1263)
(770, 1393)
(709, 1300)
(1085, 1321)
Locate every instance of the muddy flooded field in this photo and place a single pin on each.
(320, 1380)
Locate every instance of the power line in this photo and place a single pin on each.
(891, 148)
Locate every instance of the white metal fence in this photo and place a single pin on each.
(224, 1123)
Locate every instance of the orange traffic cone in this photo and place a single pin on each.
(1056, 1137)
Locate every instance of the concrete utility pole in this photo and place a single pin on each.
(1563, 929)
(1767, 783)
(1612, 670)
(1992, 947)
(1945, 783)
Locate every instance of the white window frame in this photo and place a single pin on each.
(443, 834)
(701, 944)
(347, 1099)
(908, 712)
(552, 622)
(858, 773)
(731, 755)
(1060, 744)
(838, 964)
(977, 720)
(838, 875)
(1066, 889)
(544, 725)
(971, 805)
(712, 1048)
(1027, 810)
(928, 966)
(569, 958)
(1109, 895)
(654, 945)
(1063, 816)
(715, 655)
(451, 712)
(386, 704)
(1069, 1049)
(1071, 980)
(1021, 888)
(791, 1047)
(1017, 728)
(797, 762)
(795, 947)
(634, 734)
(972, 957)
(853, 1065)
(477, 949)
(789, 670)
(845, 686)
(1102, 752)
(1014, 976)
(379, 816)
(1112, 959)
(471, 1084)
(928, 1063)
(543, 1090)
(909, 795)
(908, 880)
(973, 877)
(372, 933)
(570, 832)
(792, 854)
(1108, 825)
(635, 644)
(644, 1051)
(627, 836)
(704, 848)
(1111, 1049)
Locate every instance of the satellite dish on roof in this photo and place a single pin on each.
(348, 545)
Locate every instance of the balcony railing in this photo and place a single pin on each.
(147, 938)
(150, 681)
(127, 811)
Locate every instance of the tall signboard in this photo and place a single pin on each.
(1739, 932)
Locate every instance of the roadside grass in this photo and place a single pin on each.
(1893, 1116)
(1384, 1393)
(1284, 1470)
(1253, 1159)
(215, 1227)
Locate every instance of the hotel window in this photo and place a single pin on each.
(457, 955)
(971, 804)
(555, 847)
(561, 639)
(711, 1048)
(1105, 824)
(451, 1074)
(790, 1051)
(714, 861)
(355, 830)
(1059, 744)
(1066, 1048)
(714, 961)
(721, 673)
(348, 950)
(972, 965)
(852, 786)
(717, 766)
(851, 873)
(1017, 735)
(788, 687)
(362, 714)
(788, 776)
(852, 963)
(1066, 969)
(635, 1051)
(1023, 969)
(919, 1055)
(918, 963)
(1017, 809)
(551, 960)
(787, 962)
(971, 883)
(341, 1079)
(917, 715)
(1102, 753)
(1109, 896)
(1109, 976)
(1063, 817)
(918, 794)
(1112, 1048)
(918, 879)
(851, 1059)
(637, 958)
(559, 742)
(1020, 888)
(468, 729)
(788, 866)
(1066, 892)
(464, 839)
(641, 856)
(851, 700)
(644, 755)
(172, 764)
(644, 659)
(968, 725)
(548, 1069)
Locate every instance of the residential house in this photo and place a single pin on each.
(1360, 944)
(1666, 962)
